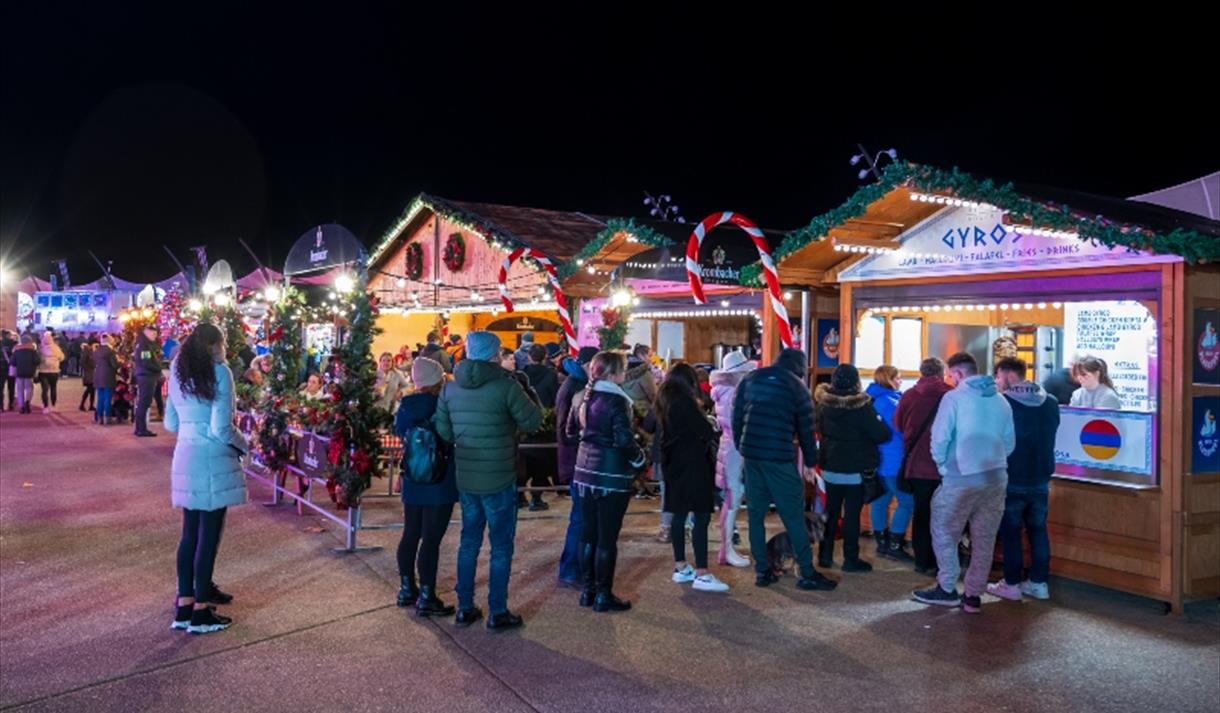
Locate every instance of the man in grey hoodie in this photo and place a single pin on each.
(1035, 416)
(972, 437)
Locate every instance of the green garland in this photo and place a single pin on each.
(451, 213)
(355, 446)
(614, 226)
(1190, 245)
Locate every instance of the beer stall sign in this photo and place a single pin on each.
(312, 455)
(1123, 333)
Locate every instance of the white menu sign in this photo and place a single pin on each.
(1123, 333)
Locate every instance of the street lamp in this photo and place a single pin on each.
(272, 293)
(873, 162)
(344, 283)
(221, 299)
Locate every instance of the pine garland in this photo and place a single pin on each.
(614, 226)
(1190, 245)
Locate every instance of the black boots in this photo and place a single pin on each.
(883, 542)
(408, 593)
(605, 600)
(898, 550)
(589, 593)
(429, 604)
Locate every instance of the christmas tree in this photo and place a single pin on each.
(174, 320)
(229, 320)
(355, 446)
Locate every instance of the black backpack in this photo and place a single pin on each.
(424, 458)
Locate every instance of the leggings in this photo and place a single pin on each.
(50, 386)
(201, 531)
(698, 538)
(427, 523)
(87, 396)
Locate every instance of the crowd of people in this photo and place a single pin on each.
(965, 456)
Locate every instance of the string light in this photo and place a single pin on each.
(271, 293)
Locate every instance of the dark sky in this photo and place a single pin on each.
(123, 130)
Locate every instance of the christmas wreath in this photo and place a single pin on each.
(415, 261)
(455, 252)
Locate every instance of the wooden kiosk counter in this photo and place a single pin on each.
(930, 262)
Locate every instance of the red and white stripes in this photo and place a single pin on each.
(695, 272)
(561, 302)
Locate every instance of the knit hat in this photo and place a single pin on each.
(845, 378)
(586, 354)
(483, 346)
(552, 350)
(736, 361)
(425, 373)
(527, 338)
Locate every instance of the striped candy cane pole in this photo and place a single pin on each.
(695, 272)
(561, 302)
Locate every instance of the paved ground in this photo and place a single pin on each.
(87, 542)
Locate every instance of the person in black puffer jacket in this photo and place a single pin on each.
(605, 467)
(851, 432)
(772, 409)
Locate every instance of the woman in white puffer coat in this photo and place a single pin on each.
(730, 467)
(206, 475)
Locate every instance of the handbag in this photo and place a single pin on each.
(904, 483)
(873, 487)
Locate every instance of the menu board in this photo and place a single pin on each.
(1123, 334)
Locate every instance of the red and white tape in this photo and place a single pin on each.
(561, 302)
(695, 272)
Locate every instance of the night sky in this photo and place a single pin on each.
(125, 130)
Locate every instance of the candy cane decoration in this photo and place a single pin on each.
(694, 270)
(552, 277)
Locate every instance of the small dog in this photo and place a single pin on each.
(779, 548)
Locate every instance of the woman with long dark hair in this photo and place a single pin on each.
(206, 472)
(688, 464)
(605, 468)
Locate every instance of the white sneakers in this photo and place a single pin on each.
(1013, 592)
(703, 583)
(1037, 590)
(735, 559)
(709, 583)
(1004, 590)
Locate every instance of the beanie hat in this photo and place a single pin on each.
(586, 354)
(845, 378)
(483, 346)
(426, 372)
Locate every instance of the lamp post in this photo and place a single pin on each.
(872, 161)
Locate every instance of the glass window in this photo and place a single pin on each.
(870, 343)
(906, 343)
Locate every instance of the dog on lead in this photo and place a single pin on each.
(780, 553)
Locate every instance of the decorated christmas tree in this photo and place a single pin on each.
(355, 446)
(614, 328)
(229, 320)
(174, 319)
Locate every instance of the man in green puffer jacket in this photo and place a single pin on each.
(481, 412)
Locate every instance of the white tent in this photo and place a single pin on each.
(1200, 196)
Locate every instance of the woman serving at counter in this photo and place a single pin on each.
(1096, 390)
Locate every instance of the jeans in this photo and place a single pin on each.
(881, 508)
(569, 561)
(497, 514)
(698, 539)
(850, 498)
(25, 393)
(921, 528)
(773, 482)
(49, 383)
(197, 549)
(103, 404)
(953, 508)
(1026, 507)
(423, 528)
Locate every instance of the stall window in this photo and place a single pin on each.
(906, 343)
(870, 343)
